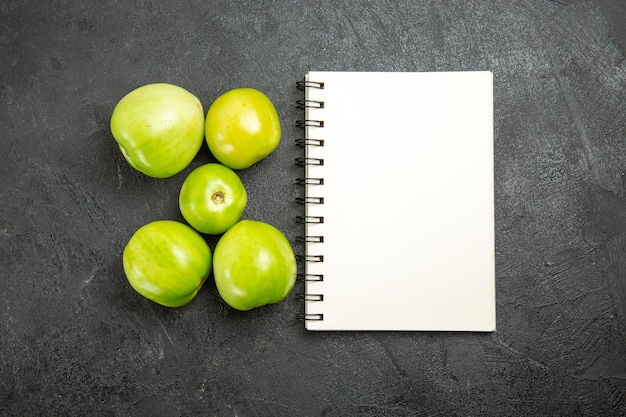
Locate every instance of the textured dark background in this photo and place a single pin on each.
(76, 340)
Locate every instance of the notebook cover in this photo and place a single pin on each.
(408, 217)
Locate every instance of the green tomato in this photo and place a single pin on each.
(212, 198)
(167, 262)
(159, 128)
(242, 127)
(253, 265)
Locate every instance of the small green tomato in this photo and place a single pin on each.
(253, 265)
(167, 262)
(242, 127)
(212, 198)
(159, 128)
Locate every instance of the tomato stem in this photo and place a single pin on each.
(218, 197)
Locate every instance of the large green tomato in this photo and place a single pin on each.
(242, 127)
(167, 262)
(159, 128)
(253, 265)
(212, 198)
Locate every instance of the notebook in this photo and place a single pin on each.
(398, 196)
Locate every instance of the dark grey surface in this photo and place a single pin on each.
(76, 340)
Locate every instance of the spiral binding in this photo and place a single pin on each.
(310, 181)
(310, 297)
(305, 104)
(303, 162)
(310, 200)
(309, 161)
(310, 219)
(310, 277)
(309, 142)
(310, 258)
(310, 239)
(310, 317)
(309, 122)
(303, 85)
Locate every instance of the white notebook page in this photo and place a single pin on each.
(408, 201)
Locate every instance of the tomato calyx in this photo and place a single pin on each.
(218, 197)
